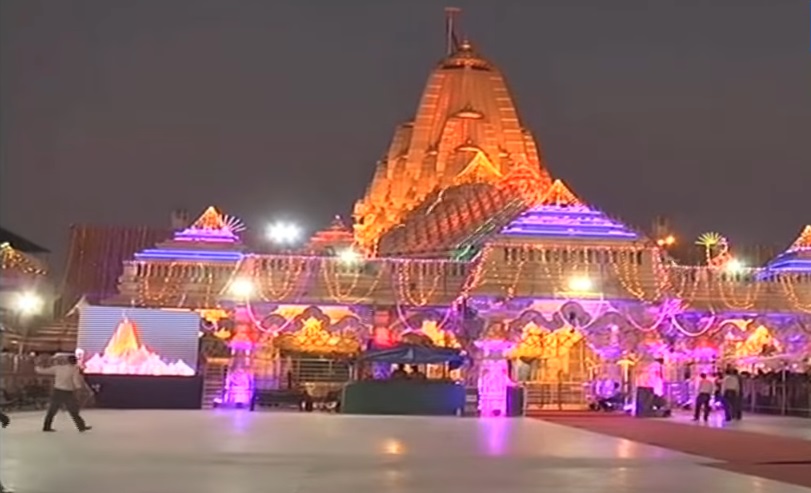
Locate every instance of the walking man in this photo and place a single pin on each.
(4, 421)
(67, 381)
(731, 392)
(702, 405)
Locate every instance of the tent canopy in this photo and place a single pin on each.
(414, 355)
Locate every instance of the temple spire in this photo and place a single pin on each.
(451, 41)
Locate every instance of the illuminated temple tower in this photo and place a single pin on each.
(470, 243)
(466, 131)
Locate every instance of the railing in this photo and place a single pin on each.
(24, 391)
(789, 396)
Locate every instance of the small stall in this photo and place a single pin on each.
(407, 395)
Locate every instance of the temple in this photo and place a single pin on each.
(464, 239)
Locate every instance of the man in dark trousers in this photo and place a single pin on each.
(67, 381)
(731, 392)
(4, 421)
(703, 397)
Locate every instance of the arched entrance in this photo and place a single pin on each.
(555, 367)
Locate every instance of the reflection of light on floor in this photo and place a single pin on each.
(625, 449)
(238, 418)
(494, 433)
(393, 447)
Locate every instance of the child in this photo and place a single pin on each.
(4, 421)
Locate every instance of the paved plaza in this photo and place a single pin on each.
(240, 451)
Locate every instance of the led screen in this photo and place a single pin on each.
(138, 341)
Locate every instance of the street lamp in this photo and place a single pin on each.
(27, 304)
(283, 233)
(667, 241)
(24, 306)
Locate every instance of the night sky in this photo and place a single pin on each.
(118, 111)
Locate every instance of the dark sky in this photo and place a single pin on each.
(117, 111)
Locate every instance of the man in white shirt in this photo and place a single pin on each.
(703, 397)
(731, 392)
(67, 380)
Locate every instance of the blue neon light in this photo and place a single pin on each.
(195, 255)
(567, 221)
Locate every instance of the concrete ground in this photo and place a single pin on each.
(239, 451)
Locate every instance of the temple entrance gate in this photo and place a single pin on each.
(556, 369)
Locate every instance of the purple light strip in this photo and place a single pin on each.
(165, 254)
(567, 221)
(206, 235)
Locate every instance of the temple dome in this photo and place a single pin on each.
(466, 119)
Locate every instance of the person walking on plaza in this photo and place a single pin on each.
(4, 421)
(67, 381)
(731, 394)
(703, 397)
(738, 414)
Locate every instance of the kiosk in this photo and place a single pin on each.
(435, 397)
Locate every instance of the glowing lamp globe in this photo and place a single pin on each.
(241, 288)
(580, 284)
(283, 233)
(734, 266)
(28, 303)
(349, 256)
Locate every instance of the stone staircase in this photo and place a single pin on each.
(216, 370)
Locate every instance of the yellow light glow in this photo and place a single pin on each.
(734, 266)
(580, 284)
(393, 447)
(28, 303)
(349, 256)
(241, 288)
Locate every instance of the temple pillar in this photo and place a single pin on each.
(493, 377)
(240, 379)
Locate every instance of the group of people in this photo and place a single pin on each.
(68, 380)
(727, 388)
(400, 373)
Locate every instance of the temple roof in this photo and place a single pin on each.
(15, 261)
(337, 235)
(213, 236)
(452, 218)
(466, 130)
(797, 257)
(561, 214)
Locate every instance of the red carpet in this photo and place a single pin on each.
(768, 456)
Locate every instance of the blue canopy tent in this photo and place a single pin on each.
(415, 355)
(437, 397)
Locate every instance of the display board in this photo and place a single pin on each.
(138, 341)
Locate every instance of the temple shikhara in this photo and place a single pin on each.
(465, 239)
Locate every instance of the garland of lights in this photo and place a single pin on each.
(289, 281)
(334, 285)
(675, 321)
(791, 294)
(404, 283)
(158, 282)
(752, 293)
